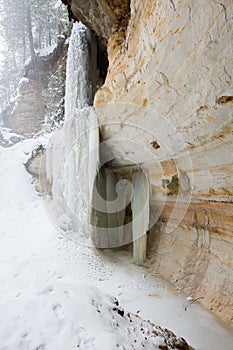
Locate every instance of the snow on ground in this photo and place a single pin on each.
(52, 288)
(8, 138)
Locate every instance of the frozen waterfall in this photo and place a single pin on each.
(84, 204)
(73, 153)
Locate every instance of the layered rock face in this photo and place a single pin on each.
(29, 110)
(169, 94)
(104, 17)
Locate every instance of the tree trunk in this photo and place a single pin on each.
(30, 36)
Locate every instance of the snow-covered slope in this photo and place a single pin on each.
(49, 297)
(85, 318)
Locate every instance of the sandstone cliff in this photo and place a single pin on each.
(104, 17)
(30, 107)
(169, 93)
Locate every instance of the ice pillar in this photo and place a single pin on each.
(140, 215)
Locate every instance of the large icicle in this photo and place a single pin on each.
(140, 212)
(116, 204)
(93, 160)
(73, 155)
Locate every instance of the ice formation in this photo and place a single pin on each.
(73, 153)
(140, 212)
(73, 161)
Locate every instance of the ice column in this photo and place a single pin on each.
(140, 215)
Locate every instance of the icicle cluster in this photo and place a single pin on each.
(73, 153)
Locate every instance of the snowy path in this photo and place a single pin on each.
(42, 275)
